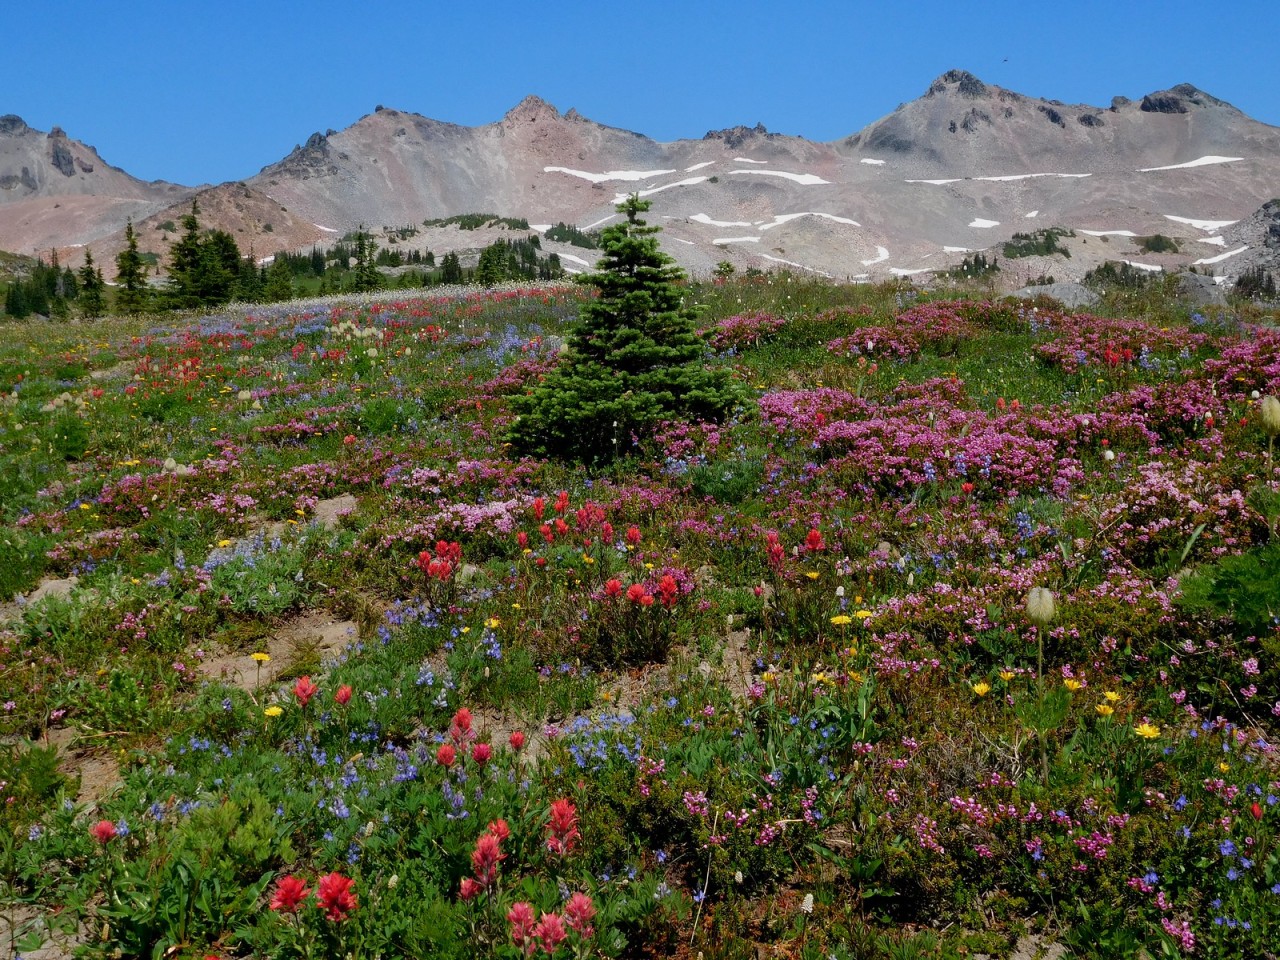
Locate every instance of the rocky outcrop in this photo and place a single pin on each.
(965, 83)
(735, 137)
(12, 125)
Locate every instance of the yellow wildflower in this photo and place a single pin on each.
(1006, 675)
(811, 574)
(262, 657)
(1112, 696)
(1072, 684)
(862, 614)
(1105, 709)
(224, 543)
(273, 711)
(841, 619)
(1223, 767)
(493, 623)
(1148, 731)
(981, 688)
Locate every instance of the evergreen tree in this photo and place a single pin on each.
(132, 295)
(450, 268)
(366, 276)
(279, 284)
(634, 358)
(92, 303)
(492, 268)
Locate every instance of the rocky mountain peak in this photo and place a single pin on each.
(13, 125)
(531, 109)
(961, 82)
(734, 137)
(1180, 99)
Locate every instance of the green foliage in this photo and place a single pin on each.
(1041, 243)
(515, 260)
(567, 233)
(1244, 587)
(476, 221)
(1156, 243)
(205, 267)
(976, 265)
(1255, 283)
(1120, 276)
(634, 358)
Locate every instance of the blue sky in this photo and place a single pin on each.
(206, 92)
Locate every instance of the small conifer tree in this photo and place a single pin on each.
(132, 295)
(634, 359)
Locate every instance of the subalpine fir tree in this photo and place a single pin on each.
(92, 302)
(634, 359)
(132, 294)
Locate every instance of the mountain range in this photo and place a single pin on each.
(961, 168)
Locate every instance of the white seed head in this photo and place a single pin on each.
(1270, 412)
(1040, 608)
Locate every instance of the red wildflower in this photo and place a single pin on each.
(633, 536)
(775, 553)
(516, 740)
(482, 753)
(1000, 403)
(613, 587)
(606, 532)
(485, 858)
(1255, 809)
(520, 916)
(636, 594)
(522, 539)
(550, 932)
(336, 896)
(499, 829)
(814, 541)
(539, 507)
(290, 892)
(580, 911)
(343, 695)
(967, 487)
(446, 755)
(304, 690)
(462, 719)
(562, 501)
(562, 528)
(547, 535)
(563, 826)
(469, 889)
(668, 592)
(104, 831)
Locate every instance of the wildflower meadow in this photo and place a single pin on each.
(958, 636)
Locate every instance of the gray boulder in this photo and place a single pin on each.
(1072, 295)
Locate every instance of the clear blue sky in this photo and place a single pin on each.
(212, 91)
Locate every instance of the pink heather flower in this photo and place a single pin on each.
(550, 932)
(579, 913)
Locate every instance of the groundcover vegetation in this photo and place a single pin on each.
(960, 629)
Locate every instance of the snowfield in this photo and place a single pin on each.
(1200, 162)
(806, 179)
(630, 175)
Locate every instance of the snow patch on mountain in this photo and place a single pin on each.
(1199, 162)
(629, 175)
(806, 179)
